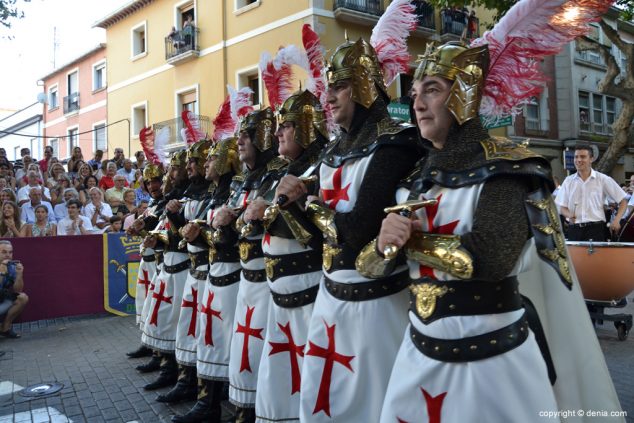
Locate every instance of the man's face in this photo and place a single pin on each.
(142, 208)
(141, 157)
(95, 197)
(25, 152)
(127, 165)
(68, 196)
(119, 182)
(4, 170)
(98, 156)
(6, 252)
(36, 196)
(211, 173)
(118, 154)
(432, 116)
(583, 160)
(48, 152)
(26, 161)
(3, 152)
(73, 211)
(287, 146)
(340, 99)
(111, 170)
(246, 149)
(192, 172)
(173, 173)
(154, 188)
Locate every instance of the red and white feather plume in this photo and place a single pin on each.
(224, 125)
(241, 103)
(154, 145)
(389, 38)
(277, 73)
(192, 132)
(530, 31)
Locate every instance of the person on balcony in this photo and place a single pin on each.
(188, 32)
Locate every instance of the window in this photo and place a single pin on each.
(139, 41)
(36, 148)
(404, 84)
(98, 76)
(532, 114)
(596, 112)
(99, 139)
(610, 113)
(16, 152)
(54, 143)
(188, 101)
(239, 4)
(139, 118)
(72, 85)
(53, 99)
(584, 111)
(184, 11)
(249, 77)
(72, 139)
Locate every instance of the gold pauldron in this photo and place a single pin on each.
(161, 235)
(370, 264)
(442, 252)
(324, 219)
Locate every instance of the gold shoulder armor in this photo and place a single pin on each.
(238, 178)
(324, 219)
(370, 264)
(389, 126)
(505, 149)
(442, 252)
(276, 163)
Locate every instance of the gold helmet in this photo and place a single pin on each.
(198, 152)
(465, 67)
(227, 159)
(152, 171)
(358, 62)
(262, 123)
(305, 111)
(179, 159)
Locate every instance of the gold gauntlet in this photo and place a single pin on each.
(370, 264)
(161, 235)
(324, 219)
(442, 252)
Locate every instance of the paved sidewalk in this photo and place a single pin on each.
(87, 355)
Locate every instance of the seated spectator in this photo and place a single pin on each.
(33, 167)
(95, 162)
(138, 179)
(115, 225)
(74, 223)
(96, 210)
(127, 171)
(21, 167)
(60, 209)
(5, 172)
(128, 206)
(13, 300)
(118, 158)
(141, 208)
(33, 182)
(10, 224)
(42, 225)
(73, 163)
(55, 170)
(140, 160)
(141, 192)
(114, 196)
(107, 181)
(7, 194)
(45, 163)
(57, 192)
(28, 209)
(84, 171)
(3, 183)
(89, 182)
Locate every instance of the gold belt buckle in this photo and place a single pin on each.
(426, 295)
(244, 248)
(328, 253)
(270, 264)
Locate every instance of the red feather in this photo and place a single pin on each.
(241, 103)
(146, 137)
(317, 78)
(277, 76)
(224, 125)
(193, 133)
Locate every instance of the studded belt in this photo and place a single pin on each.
(365, 291)
(149, 258)
(226, 255)
(226, 280)
(431, 299)
(292, 264)
(177, 267)
(296, 299)
(200, 258)
(200, 275)
(474, 347)
(254, 275)
(250, 249)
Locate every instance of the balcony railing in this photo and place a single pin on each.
(180, 42)
(175, 126)
(373, 7)
(425, 13)
(71, 103)
(459, 23)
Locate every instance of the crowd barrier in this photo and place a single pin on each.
(75, 275)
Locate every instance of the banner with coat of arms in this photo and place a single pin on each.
(121, 259)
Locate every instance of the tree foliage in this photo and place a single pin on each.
(10, 10)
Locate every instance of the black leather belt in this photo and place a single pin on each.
(227, 255)
(177, 267)
(474, 347)
(296, 299)
(200, 258)
(371, 290)
(250, 249)
(431, 299)
(292, 264)
(226, 280)
(149, 258)
(586, 224)
(254, 275)
(200, 275)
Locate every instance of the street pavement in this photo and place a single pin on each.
(87, 355)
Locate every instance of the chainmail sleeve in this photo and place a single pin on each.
(500, 228)
(359, 226)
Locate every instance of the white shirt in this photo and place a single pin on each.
(60, 211)
(585, 199)
(128, 175)
(89, 210)
(27, 213)
(23, 193)
(64, 226)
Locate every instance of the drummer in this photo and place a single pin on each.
(582, 196)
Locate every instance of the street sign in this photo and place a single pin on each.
(569, 160)
(506, 121)
(399, 111)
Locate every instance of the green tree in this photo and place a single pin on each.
(617, 82)
(8, 11)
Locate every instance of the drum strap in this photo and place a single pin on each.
(536, 326)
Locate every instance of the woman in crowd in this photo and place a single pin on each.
(107, 181)
(7, 194)
(53, 174)
(74, 162)
(63, 183)
(24, 180)
(10, 224)
(97, 210)
(84, 171)
(41, 227)
(141, 193)
(129, 204)
(127, 222)
(88, 183)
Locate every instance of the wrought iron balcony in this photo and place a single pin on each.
(181, 46)
(71, 103)
(457, 23)
(373, 7)
(176, 125)
(425, 13)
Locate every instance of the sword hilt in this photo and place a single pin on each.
(405, 209)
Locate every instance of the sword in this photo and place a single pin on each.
(404, 209)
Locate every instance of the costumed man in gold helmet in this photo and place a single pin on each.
(483, 257)
(159, 330)
(218, 298)
(257, 148)
(192, 206)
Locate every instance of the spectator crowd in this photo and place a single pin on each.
(49, 198)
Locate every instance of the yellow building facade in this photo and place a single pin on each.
(165, 56)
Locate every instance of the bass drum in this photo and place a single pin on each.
(605, 269)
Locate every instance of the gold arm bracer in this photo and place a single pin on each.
(324, 219)
(442, 252)
(370, 264)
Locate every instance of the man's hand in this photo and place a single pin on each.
(173, 206)
(292, 188)
(395, 230)
(255, 210)
(223, 217)
(190, 231)
(615, 226)
(149, 241)
(19, 269)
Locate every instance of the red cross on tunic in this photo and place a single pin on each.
(145, 281)
(330, 355)
(210, 313)
(248, 331)
(434, 406)
(158, 296)
(194, 306)
(293, 350)
(336, 194)
(266, 239)
(446, 229)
